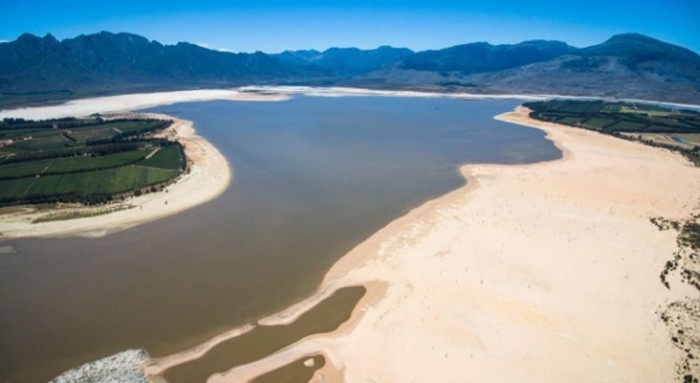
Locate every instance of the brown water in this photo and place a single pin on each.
(312, 178)
(262, 341)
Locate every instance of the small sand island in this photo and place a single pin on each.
(207, 172)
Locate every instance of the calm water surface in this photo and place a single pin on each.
(312, 178)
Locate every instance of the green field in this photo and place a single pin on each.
(654, 125)
(70, 164)
(165, 158)
(616, 117)
(83, 160)
(599, 123)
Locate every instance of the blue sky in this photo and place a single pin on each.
(273, 26)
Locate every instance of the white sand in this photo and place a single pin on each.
(360, 92)
(130, 102)
(209, 174)
(535, 273)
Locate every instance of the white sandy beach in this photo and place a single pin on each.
(130, 102)
(209, 173)
(533, 273)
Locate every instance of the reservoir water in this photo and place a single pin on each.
(312, 177)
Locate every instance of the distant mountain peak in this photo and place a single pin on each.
(634, 49)
(631, 37)
(347, 62)
(638, 42)
(484, 57)
(28, 37)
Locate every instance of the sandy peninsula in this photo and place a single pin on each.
(532, 273)
(208, 177)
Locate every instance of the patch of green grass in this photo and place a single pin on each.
(85, 134)
(599, 123)
(648, 111)
(48, 142)
(166, 158)
(135, 177)
(571, 120)
(627, 126)
(14, 134)
(70, 164)
(14, 188)
(83, 160)
(111, 181)
(23, 169)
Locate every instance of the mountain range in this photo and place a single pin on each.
(38, 69)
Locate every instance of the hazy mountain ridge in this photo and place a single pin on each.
(347, 62)
(626, 66)
(484, 57)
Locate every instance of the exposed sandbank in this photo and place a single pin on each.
(208, 177)
(335, 91)
(361, 92)
(130, 102)
(536, 273)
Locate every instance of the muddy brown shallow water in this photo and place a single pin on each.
(262, 341)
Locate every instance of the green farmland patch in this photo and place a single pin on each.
(70, 164)
(599, 123)
(634, 121)
(83, 160)
(616, 116)
(166, 158)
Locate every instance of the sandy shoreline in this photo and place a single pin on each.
(536, 273)
(130, 102)
(209, 175)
